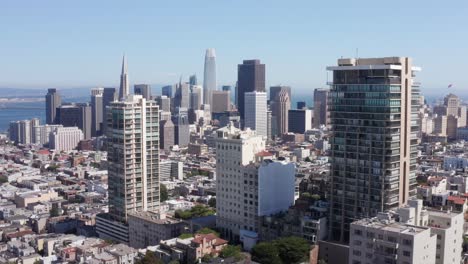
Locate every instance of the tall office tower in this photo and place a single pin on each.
(373, 112)
(20, 131)
(209, 76)
(301, 105)
(226, 88)
(271, 129)
(78, 115)
(182, 95)
(65, 138)
(221, 101)
(452, 102)
(321, 114)
(109, 95)
(193, 80)
(133, 156)
(97, 111)
(167, 134)
(195, 97)
(164, 103)
(182, 127)
(275, 90)
(256, 112)
(168, 91)
(53, 100)
(236, 92)
(143, 89)
(124, 85)
(41, 133)
(250, 77)
(299, 120)
(280, 106)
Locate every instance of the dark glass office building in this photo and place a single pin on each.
(373, 106)
(250, 77)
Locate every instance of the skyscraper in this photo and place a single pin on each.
(195, 97)
(168, 91)
(124, 85)
(256, 112)
(109, 95)
(137, 120)
(209, 76)
(280, 106)
(143, 89)
(182, 127)
(164, 103)
(53, 100)
(193, 80)
(20, 132)
(133, 156)
(275, 90)
(167, 134)
(373, 107)
(321, 115)
(79, 115)
(250, 77)
(221, 101)
(182, 95)
(97, 111)
(299, 120)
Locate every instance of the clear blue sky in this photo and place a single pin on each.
(80, 43)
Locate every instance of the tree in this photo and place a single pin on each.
(163, 190)
(54, 211)
(185, 235)
(206, 231)
(321, 261)
(207, 258)
(212, 202)
(266, 252)
(149, 258)
(231, 251)
(292, 249)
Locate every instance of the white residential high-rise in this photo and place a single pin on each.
(137, 120)
(209, 77)
(256, 112)
(65, 138)
(133, 156)
(21, 131)
(41, 133)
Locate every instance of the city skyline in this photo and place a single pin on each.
(298, 60)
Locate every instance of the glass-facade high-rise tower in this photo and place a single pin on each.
(209, 76)
(373, 106)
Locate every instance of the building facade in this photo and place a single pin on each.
(321, 115)
(133, 156)
(53, 100)
(373, 110)
(209, 76)
(250, 77)
(299, 120)
(256, 112)
(65, 138)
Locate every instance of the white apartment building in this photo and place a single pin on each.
(247, 189)
(171, 170)
(65, 138)
(41, 134)
(256, 112)
(381, 240)
(438, 232)
(234, 148)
